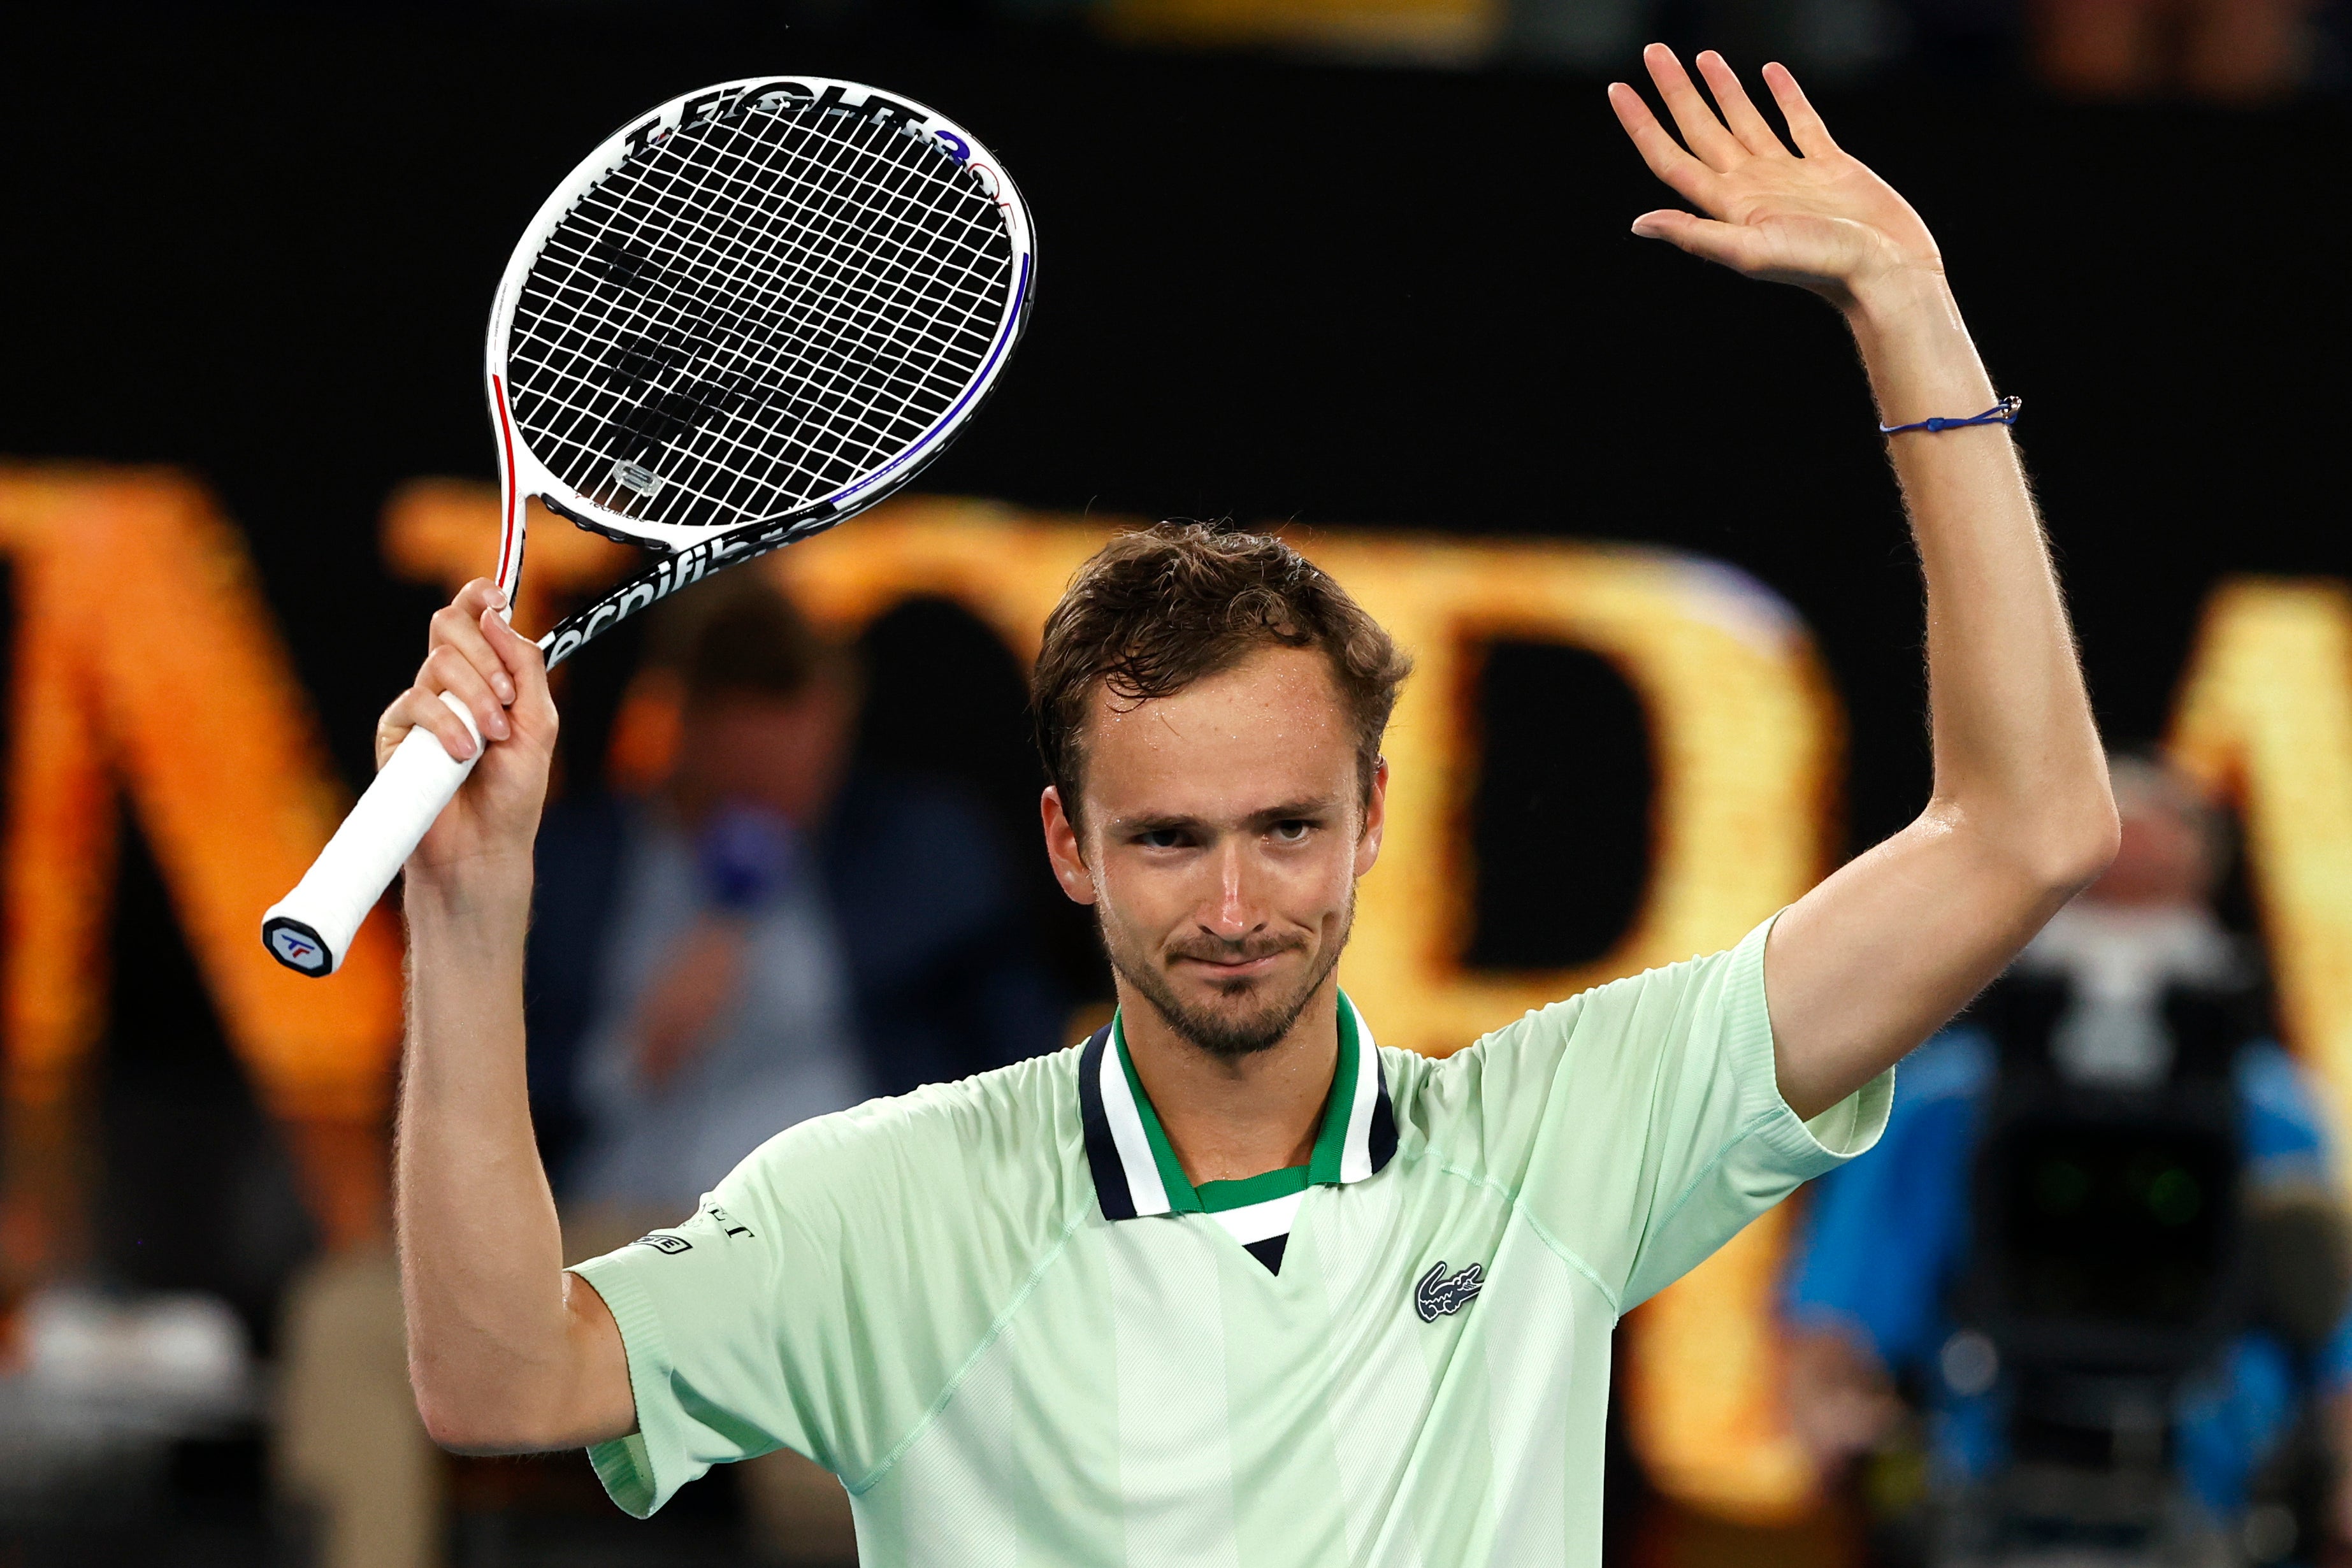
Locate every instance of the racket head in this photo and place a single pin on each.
(753, 313)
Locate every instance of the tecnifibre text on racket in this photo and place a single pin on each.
(753, 313)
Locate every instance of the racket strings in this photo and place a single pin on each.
(872, 322)
(704, 320)
(665, 202)
(859, 334)
(754, 313)
(866, 327)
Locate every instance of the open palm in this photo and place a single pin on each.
(1816, 217)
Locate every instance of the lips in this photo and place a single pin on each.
(1231, 966)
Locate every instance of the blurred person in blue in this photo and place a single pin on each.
(2100, 1233)
(772, 933)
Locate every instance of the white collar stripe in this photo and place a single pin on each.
(1143, 1183)
(1260, 1221)
(1356, 1154)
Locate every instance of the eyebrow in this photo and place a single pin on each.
(1291, 810)
(1288, 811)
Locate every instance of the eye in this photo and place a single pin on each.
(1161, 839)
(1293, 831)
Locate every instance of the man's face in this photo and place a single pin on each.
(1224, 832)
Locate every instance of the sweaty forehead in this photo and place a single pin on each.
(1269, 731)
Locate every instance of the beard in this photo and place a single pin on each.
(1260, 1022)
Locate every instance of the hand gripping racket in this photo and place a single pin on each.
(752, 315)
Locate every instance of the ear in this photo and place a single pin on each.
(1376, 820)
(1062, 849)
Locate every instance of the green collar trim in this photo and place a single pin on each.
(1216, 1196)
(1323, 1164)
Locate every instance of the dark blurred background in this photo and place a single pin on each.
(1324, 265)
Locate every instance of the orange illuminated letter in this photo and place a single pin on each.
(145, 661)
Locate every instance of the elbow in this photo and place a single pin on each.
(2076, 847)
(455, 1428)
(462, 1427)
(2048, 852)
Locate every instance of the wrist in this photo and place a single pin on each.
(477, 892)
(1917, 349)
(1903, 300)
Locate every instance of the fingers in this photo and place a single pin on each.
(522, 667)
(1703, 133)
(1805, 126)
(1732, 244)
(418, 709)
(497, 674)
(1661, 152)
(447, 669)
(1739, 112)
(459, 624)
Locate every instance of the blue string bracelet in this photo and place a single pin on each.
(2003, 413)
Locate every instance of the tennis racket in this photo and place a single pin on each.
(746, 317)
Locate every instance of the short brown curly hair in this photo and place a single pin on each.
(1159, 608)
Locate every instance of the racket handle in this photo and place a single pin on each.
(310, 930)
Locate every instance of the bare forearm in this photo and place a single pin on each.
(481, 1251)
(1862, 968)
(1878, 956)
(2017, 761)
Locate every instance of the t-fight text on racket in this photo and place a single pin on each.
(751, 314)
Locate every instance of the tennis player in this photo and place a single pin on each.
(1227, 1283)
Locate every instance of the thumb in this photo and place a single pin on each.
(526, 666)
(1732, 244)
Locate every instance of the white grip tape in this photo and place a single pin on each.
(310, 929)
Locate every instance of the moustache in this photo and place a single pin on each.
(1241, 952)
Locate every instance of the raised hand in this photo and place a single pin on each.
(501, 678)
(1820, 220)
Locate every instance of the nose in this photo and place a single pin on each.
(1231, 917)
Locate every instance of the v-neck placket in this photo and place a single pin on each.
(1137, 1175)
(1323, 1162)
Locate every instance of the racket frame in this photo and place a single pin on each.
(310, 930)
(692, 552)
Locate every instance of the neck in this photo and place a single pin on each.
(1231, 1118)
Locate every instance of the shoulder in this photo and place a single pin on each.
(1485, 1105)
(1636, 1010)
(1006, 1139)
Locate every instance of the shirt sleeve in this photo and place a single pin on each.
(1642, 1122)
(819, 1300)
(710, 1355)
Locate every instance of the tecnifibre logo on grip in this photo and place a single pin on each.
(691, 564)
(295, 948)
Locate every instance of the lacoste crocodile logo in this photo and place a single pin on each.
(1440, 1292)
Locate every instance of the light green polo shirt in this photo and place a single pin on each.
(999, 1314)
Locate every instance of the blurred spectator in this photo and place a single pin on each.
(2029, 1254)
(770, 934)
(2219, 51)
(2223, 51)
